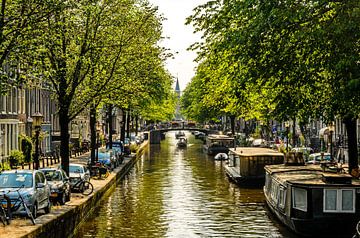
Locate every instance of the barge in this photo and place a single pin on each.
(215, 144)
(313, 200)
(246, 164)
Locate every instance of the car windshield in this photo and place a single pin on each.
(75, 169)
(16, 180)
(52, 175)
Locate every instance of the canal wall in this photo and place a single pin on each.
(64, 221)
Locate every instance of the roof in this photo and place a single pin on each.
(255, 151)
(219, 137)
(304, 175)
(177, 87)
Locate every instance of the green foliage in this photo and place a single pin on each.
(26, 146)
(4, 166)
(16, 158)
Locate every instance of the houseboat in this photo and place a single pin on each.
(313, 200)
(182, 142)
(246, 164)
(215, 144)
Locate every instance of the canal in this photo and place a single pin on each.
(174, 192)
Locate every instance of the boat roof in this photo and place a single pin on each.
(306, 175)
(255, 151)
(219, 137)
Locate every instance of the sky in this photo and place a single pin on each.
(181, 36)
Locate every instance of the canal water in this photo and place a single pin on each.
(173, 192)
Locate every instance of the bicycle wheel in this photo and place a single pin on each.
(87, 188)
(3, 216)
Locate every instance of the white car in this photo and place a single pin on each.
(78, 172)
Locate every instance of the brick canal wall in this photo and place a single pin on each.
(63, 222)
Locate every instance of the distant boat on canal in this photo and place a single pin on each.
(215, 144)
(246, 164)
(313, 200)
(179, 134)
(182, 142)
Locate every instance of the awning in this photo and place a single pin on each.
(323, 131)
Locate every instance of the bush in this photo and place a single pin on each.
(16, 158)
(4, 166)
(26, 148)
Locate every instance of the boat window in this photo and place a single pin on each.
(274, 191)
(339, 200)
(299, 198)
(282, 197)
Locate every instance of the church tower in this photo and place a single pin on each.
(178, 92)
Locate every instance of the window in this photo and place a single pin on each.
(282, 196)
(339, 200)
(299, 198)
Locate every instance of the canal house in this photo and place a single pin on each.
(246, 164)
(215, 144)
(313, 200)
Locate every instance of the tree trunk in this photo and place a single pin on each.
(350, 124)
(122, 134)
(110, 108)
(294, 141)
(65, 138)
(128, 119)
(136, 124)
(232, 123)
(93, 144)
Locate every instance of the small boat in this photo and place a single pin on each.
(313, 200)
(182, 142)
(215, 144)
(221, 156)
(246, 164)
(179, 134)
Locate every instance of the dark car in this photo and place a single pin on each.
(60, 190)
(33, 187)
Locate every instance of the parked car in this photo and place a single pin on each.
(317, 157)
(32, 186)
(78, 172)
(60, 190)
(118, 151)
(107, 158)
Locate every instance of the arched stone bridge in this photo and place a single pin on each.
(156, 135)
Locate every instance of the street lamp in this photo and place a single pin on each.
(331, 130)
(287, 125)
(37, 121)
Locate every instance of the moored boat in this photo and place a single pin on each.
(215, 144)
(221, 156)
(246, 164)
(312, 200)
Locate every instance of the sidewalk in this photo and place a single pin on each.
(62, 220)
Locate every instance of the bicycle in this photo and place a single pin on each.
(21, 202)
(5, 209)
(85, 187)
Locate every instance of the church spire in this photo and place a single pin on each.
(177, 87)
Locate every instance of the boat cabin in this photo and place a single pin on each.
(313, 201)
(246, 164)
(182, 142)
(215, 144)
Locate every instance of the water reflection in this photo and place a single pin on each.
(174, 192)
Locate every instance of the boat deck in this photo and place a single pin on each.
(307, 175)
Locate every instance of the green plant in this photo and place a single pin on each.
(16, 158)
(4, 166)
(26, 147)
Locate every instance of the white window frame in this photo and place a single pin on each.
(282, 199)
(338, 200)
(293, 199)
